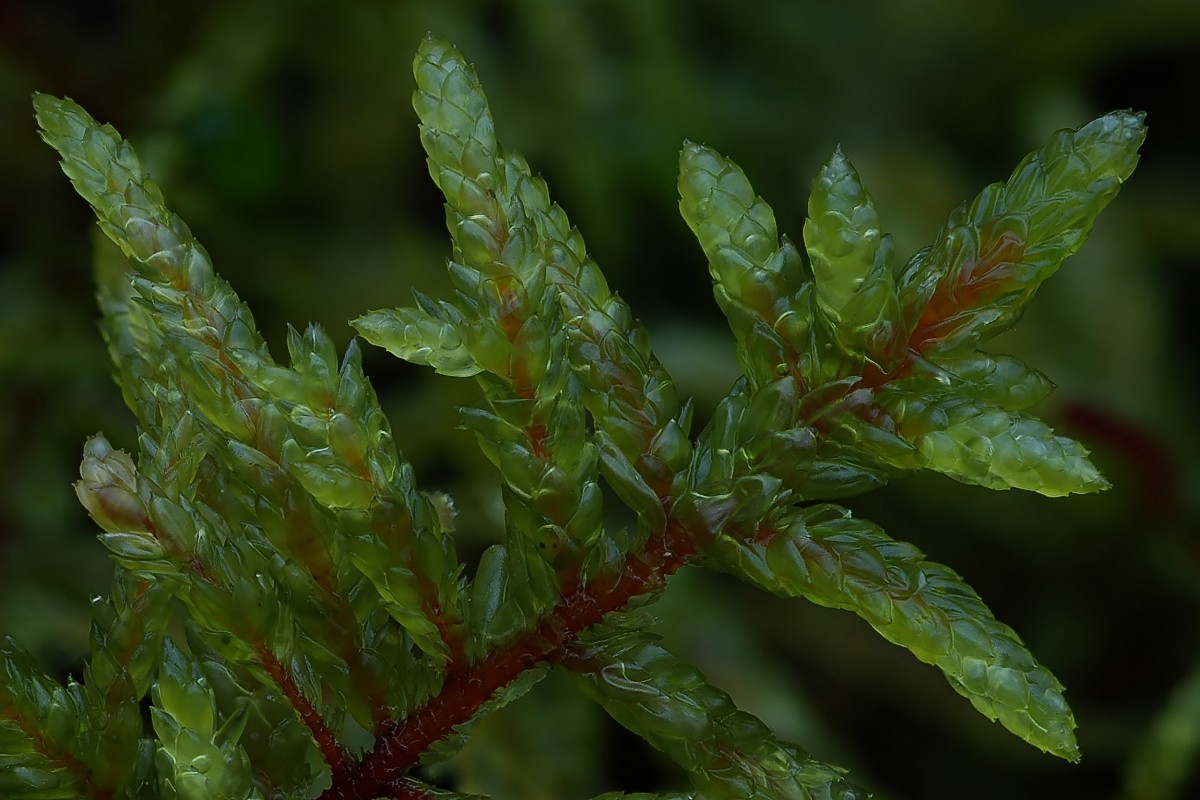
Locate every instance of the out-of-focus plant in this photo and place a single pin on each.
(332, 643)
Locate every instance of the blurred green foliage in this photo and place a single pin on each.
(283, 133)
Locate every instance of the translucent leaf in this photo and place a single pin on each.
(174, 271)
(762, 287)
(974, 442)
(39, 722)
(419, 338)
(629, 484)
(459, 136)
(126, 644)
(852, 264)
(31, 777)
(991, 256)
(737, 231)
(634, 403)
(132, 548)
(841, 233)
(497, 265)
(841, 473)
(321, 419)
(330, 482)
(279, 746)
(727, 753)
(198, 753)
(823, 554)
(994, 378)
(535, 307)
(511, 590)
(108, 487)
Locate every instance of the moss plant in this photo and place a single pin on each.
(333, 645)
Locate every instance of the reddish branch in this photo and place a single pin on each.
(53, 752)
(400, 744)
(980, 281)
(331, 749)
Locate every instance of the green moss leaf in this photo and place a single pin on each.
(993, 378)
(420, 338)
(319, 420)
(825, 555)
(756, 273)
(513, 587)
(39, 722)
(979, 443)
(726, 752)
(841, 234)
(326, 607)
(992, 254)
(198, 753)
(852, 264)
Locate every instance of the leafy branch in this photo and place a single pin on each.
(323, 599)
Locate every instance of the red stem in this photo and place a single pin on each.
(331, 749)
(399, 745)
(52, 751)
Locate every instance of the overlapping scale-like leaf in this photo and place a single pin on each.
(757, 275)
(852, 264)
(511, 590)
(505, 324)
(995, 378)
(264, 614)
(641, 426)
(237, 588)
(295, 594)
(841, 234)
(273, 502)
(495, 268)
(283, 758)
(194, 339)
(422, 337)
(39, 723)
(727, 753)
(823, 554)
(534, 319)
(126, 641)
(199, 755)
(886, 363)
(339, 450)
(755, 272)
(992, 254)
(974, 441)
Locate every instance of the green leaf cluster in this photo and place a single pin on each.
(330, 642)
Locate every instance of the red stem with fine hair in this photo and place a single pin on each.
(400, 744)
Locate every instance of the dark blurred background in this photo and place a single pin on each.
(282, 132)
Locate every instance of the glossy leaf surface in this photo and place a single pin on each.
(331, 643)
(823, 554)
